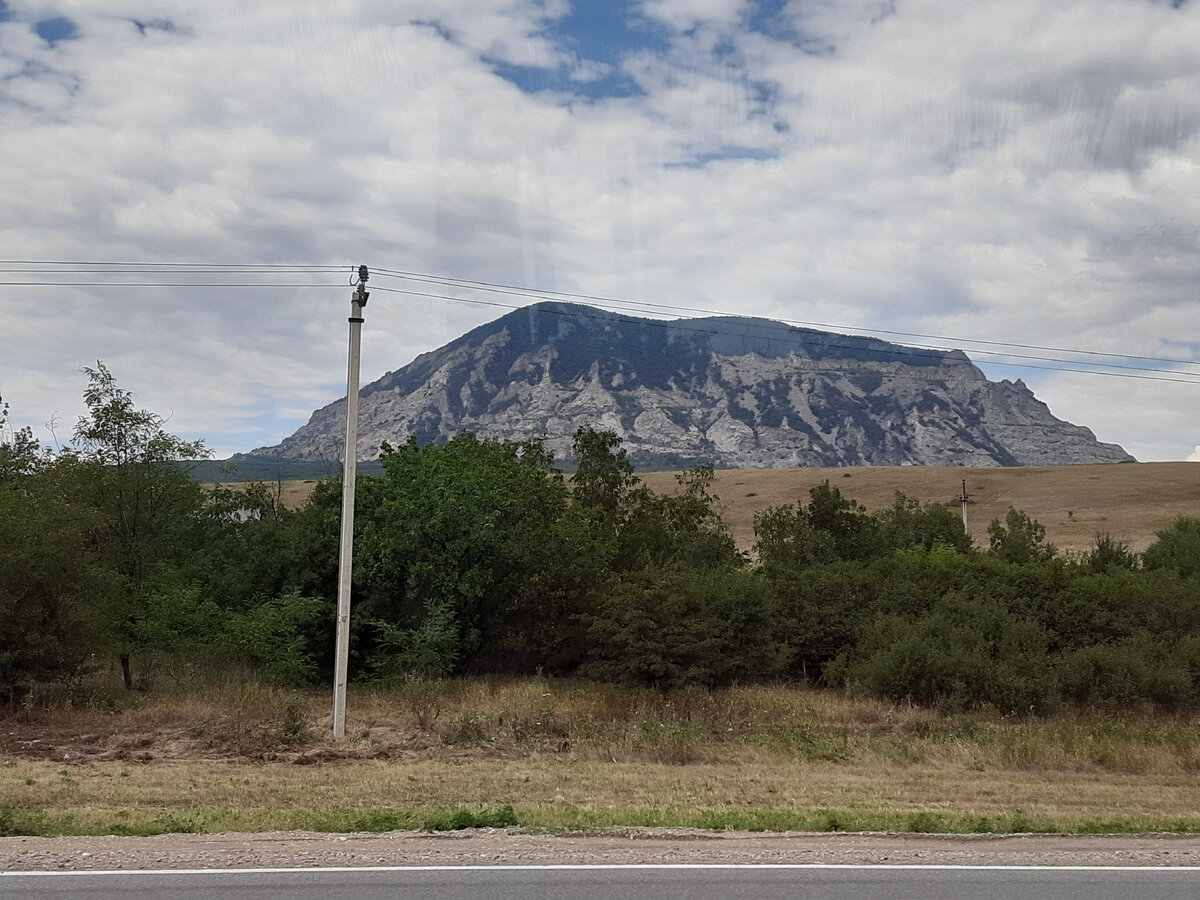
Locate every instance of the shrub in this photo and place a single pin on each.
(963, 652)
(1177, 548)
(669, 628)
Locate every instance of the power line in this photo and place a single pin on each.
(63, 268)
(105, 266)
(930, 353)
(495, 287)
(179, 284)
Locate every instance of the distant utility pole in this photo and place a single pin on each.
(963, 500)
(346, 549)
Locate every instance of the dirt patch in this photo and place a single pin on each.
(615, 847)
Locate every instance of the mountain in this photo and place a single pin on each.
(736, 392)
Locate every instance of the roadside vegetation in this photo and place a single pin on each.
(515, 619)
(550, 754)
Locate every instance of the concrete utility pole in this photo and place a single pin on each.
(349, 465)
(963, 499)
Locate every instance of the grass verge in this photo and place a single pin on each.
(548, 755)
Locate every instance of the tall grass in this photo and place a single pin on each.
(221, 753)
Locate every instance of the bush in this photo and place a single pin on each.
(671, 628)
(964, 652)
(1135, 671)
(1177, 548)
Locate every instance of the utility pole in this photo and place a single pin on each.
(963, 500)
(349, 465)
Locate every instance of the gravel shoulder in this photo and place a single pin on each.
(614, 847)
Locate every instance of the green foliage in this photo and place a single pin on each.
(1020, 540)
(20, 454)
(832, 528)
(1109, 553)
(476, 556)
(470, 558)
(51, 586)
(961, 652)
(853, 531)
(682, 529)
(785, 538)
(429, 650)
(1137, 670)
(674, 627)
(129, 477)
(648, 529)
(820, 610)
(907, 524)
(1177, 548)
(604, 477)
(273, 637)
(462, 819)
(19, 821)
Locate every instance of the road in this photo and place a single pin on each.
(659, 882)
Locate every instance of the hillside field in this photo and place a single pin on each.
(1129, 501)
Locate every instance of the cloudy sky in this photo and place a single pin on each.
(1015, 178)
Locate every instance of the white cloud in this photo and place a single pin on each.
(1007, 172)
(687, 14)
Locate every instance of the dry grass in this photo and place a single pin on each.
(1130, 501)
(568, 754)
(1075, 503)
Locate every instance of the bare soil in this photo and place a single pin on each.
(612, 847)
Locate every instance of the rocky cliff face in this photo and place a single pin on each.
(745, 393)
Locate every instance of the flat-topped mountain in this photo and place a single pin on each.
(736, 392)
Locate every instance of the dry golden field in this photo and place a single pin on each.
(1130, 501)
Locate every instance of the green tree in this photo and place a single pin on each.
(681, 529)
(1176, 548)
(964, 652)
(907, 524)
(829, 528)
(1109, 553)
(468, 552)
(49, 583)
(785, 538)
(130, 474)
(675, 627)
(1020, 539)
(20, 454)
(605, 477)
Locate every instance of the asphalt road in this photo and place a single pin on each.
(753, 882)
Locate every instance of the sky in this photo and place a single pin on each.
(187, 186)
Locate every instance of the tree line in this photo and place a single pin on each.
(478, 556)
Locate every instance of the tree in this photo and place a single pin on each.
(605, 477)
(675, 627)
(830, 528)
(1176, 548)
(681, 529)
(1108, 553)
(907, 524)
(471, 559)
(130, 474)
(1020, 540)
(48, 581)
(20, 453)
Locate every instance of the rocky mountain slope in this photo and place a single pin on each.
(737, 392)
